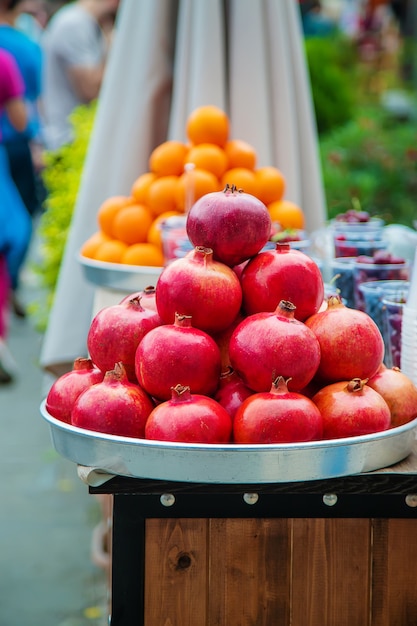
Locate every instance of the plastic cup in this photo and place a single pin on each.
(392, 311)
(367, 272)
(175, 242)
(372, 230)
(342, 278)
(373, 292)
(347, 247)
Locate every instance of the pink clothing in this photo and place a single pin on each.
(11, 82)
(11, 86)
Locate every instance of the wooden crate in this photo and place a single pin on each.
(291, 559)
(303, 572)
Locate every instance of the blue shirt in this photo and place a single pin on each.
(28, 56)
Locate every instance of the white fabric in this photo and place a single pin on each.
(148, 92)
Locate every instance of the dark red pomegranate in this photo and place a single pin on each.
(66, 389)
(351, 344)
(177, 352)
(234, 224)
(351, 409)
(282, 274)
(189, 418)
(114, 406)
(197, 285)
(232, 391)
(115, 333)
(277, 416)
(267, 345)
(398, 391)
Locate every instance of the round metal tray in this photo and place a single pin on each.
(229, 463)
(126, 278)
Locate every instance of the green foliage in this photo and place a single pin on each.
(372, 158)
(333, 69)
(61, 176)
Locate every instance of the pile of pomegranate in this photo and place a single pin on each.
(234, 344)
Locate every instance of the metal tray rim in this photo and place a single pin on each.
(231, 447)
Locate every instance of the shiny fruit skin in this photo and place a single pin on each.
(66, 389)
(175, 352)
(267, 345)
(277, 416)
(114, 406)
(398, 391)
(351, 409)
(351, 344)
(197, 285)
(282, 274)
(189, 418)
(234, 224)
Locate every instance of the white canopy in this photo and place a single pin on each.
(169, 57)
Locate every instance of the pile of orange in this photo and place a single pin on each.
(179, 174)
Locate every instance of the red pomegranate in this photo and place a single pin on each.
(234, 224)
(267, 345)
(197, 285)
(175, 352)
(277, 416)
(351, 344)
(66, 389)
(115, 333)
(351, 409)
(398, 391)
(282, 274)
(232, 391)
(147, 297)
(189, 418)
(114, 406)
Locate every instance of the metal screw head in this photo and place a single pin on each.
(330, 499)
(167, 499)
(411, 500)
(251, 498)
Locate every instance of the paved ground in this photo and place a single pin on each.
(47, 577)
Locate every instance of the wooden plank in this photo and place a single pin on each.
(395, 580)
(331, 572)
(249, 572)
(176, 572)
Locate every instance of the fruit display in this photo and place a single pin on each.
(242, 354)
(131, 228)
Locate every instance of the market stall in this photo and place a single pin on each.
(316, 532)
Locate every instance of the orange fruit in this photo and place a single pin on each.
(270, 182)
(242, 178)
(131, 224)
(194, 184)
(287, 213)
(208, 156)
(208, 124)
(240, 154)
(90, 247)
(107, 211)
(143, 254)
(111, 251)
(154, 233)
(161, 194)
(168, 158)
(141, 185)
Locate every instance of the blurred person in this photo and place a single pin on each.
(15, 221)
(76, 43)
(34, 15)
(24, 148)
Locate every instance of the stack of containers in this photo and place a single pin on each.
(409, 329)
